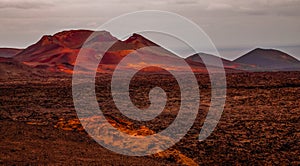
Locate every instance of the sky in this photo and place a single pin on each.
(235, 26)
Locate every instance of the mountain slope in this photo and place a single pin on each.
(59, 52)
(197, 58)
(14, 70)
(269, 59)
(9, 52)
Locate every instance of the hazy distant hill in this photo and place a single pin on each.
(269, 59)
(226, 63)
(9, 52)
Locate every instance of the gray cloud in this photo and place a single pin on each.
(27, 4)
(230, 23)
(255, 7)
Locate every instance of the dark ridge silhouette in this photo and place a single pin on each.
(269, 59)
(9, 52)
(139, 41)
(226, 63)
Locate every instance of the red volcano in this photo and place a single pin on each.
(58, 53)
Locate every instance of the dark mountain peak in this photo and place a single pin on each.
(271, 54)
(268, 51)
(263, 49)
(197, 57)
(269, 59)
(136, 36)
(139, 41)
(47, 39)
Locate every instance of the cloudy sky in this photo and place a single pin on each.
(235, 26)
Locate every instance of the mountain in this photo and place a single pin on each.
(269, 60)
(196, 59)
(55, 53)
(58, 52)
(139, 41)
(256, 60)
(9, 52)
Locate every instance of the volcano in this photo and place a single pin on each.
(58, 53)
(269, 60)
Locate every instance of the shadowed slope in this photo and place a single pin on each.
(270, 59)
(9, 52)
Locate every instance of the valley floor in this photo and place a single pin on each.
(259, 125)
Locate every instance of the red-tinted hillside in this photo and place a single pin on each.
(59, 52)
(139, 41)
(9, 52)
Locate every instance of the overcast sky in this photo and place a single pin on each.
(235, 26)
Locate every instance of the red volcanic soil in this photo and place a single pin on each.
(14, 70)
(43, 144)
(2, 59)
(39, 124)
(259, 125)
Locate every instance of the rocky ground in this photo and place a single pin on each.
(259, 125)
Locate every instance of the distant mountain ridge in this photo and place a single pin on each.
(9, 52)
(226, 63)
(269, 59)
(58, 53)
